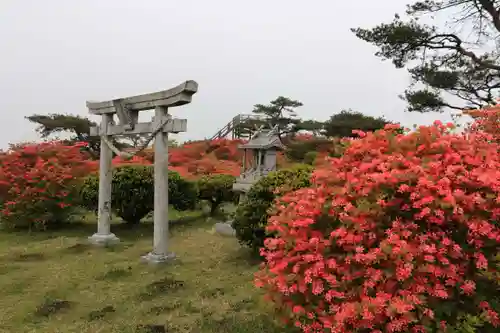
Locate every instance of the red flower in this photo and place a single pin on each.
(37, 181)
(391, 231)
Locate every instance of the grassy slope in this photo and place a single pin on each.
(208, 289)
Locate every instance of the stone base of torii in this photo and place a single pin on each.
(127, 109)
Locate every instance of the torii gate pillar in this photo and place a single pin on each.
(160, 251)
(127, 110)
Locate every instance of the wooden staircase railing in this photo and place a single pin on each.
(232, 126)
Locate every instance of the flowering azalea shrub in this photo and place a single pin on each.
(38, 183)
(134, 160)
(222, 149)
(193, 160)
(196, 159)
(210, 165)
(226, 150)
(487, 120)
(400, 234)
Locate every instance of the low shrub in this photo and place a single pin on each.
(310, 157)
(251, 215)
(487, 120)
(132, 193)
(38, 184)
(182, 193)
(400, 234)
(216, 189)
(297, 151)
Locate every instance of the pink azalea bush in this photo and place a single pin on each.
(400, 234)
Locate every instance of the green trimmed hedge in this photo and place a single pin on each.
(216, 189)
(252, 214)
(132, 194)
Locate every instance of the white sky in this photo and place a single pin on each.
(57, 54)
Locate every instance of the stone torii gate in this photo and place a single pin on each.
(127, 109)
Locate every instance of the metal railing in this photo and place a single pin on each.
(233, 127)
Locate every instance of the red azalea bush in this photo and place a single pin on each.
(221, 149)
(187, 152)
(226, 150)
(399, 234)
(487, 120)
(134, 160)
(37, 183)
(200, 158)
(207, 166)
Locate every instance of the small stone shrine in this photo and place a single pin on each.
(264, 146)
(261, 160)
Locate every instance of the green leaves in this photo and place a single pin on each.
(342, 124)
(398, 41)
(423, 101)
(182, 193)
(216, 189)
(452, 58)
(132, 193)
(252, 214)
(78, 127)
(280, 112)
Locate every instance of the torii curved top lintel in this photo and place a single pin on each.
(176, 96)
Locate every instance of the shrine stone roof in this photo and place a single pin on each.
(264, 139)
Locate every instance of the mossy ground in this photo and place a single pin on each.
(55, 282)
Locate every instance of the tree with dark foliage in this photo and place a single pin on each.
(342, 124)
(453, 65)
(313, 126)
(78, 128)
(247, 127)
(281, 113)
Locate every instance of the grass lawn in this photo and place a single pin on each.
(54, 282)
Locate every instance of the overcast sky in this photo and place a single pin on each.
(57, 54)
